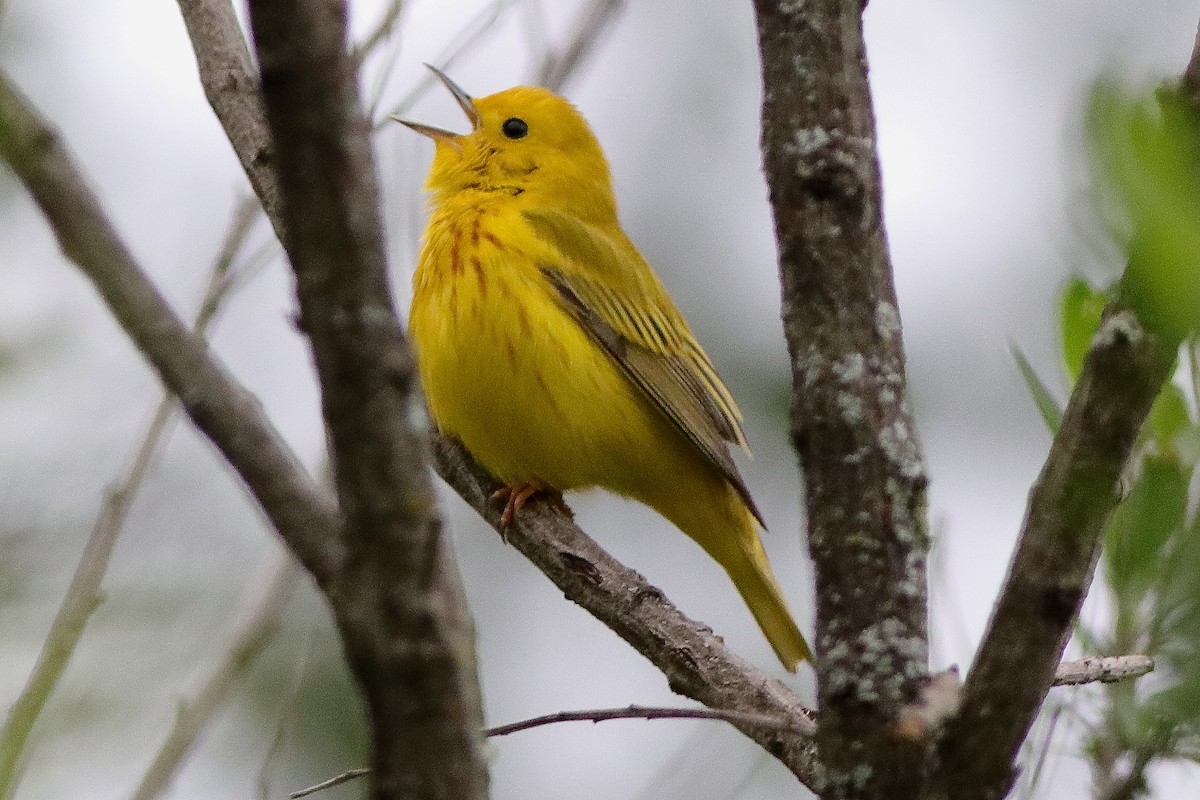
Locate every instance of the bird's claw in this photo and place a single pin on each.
(515, 498)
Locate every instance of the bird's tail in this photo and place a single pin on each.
(729, 532)
(752, 576)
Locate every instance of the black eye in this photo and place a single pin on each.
(514, 128)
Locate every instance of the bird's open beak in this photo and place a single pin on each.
(464, 102)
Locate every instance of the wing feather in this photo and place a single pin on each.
(648, 339)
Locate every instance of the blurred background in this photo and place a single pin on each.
(980, 112)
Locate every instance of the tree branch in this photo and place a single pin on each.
(695, 661)
(1061, 537)
(232, 89)
(1056, 556)
(384, 28)
(336, 780)
(850, 419)
(1191, 74)
(646, 713)
(1102, 669)
(398, 601)
(590, 25)
(229, 416)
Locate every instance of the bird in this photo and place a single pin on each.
(549, 348)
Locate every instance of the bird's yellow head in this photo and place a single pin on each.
(527, 143)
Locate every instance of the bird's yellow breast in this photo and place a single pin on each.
(507, 370)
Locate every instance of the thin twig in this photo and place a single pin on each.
(1034, 775)
(260, 624)
(802, 725)
(587, 32)
(1102, 669)
(383, 30)
(336, 780)
(652, 712)
(1193, 356)
(81, 600)
(533, 19)
(83, 593)
(553, 71)
(1191, 73)
(288, 707)
(476, 30)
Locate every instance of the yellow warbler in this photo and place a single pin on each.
(549, 348)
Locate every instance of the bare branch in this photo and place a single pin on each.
(382, 30)
(1056, 556)
(336, 780)
(288, 705)
(589, 28)
(1070, 673)
(696, 663)
(1102, 669)
(399, 604)
(475, 31)
(83, 593)
(258, 628)
(230, 417)
(232, 88)
(850, 419)
(648, 713)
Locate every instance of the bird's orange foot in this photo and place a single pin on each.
(515, 498)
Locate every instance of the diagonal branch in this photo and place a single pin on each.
(851, 423)
(225, 412)
(231, 87)
(695, 661)
(586, 33)
(1052, 568)
(1056, 555)
(398, 602)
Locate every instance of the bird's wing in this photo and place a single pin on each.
(599, 282)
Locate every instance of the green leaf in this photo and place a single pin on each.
(1079, 315)
(1049, 408)
(1168, 418)
(1141, 526)
(1150, 154)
